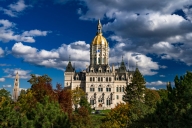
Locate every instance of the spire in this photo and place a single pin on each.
(99, 27)
(69, 58)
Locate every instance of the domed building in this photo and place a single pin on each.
(104, 85)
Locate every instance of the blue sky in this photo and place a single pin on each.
(37, 37)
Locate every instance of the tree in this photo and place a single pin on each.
(4, 93)
(84, 103)
(77, 93)
(26, 102)
(151, 98)
(81, 119)
(117, 117)
(48, 114)
(65, 101)
(41, 86)
(163, 93)
(136, 89)
(176, 110)
(8, 116)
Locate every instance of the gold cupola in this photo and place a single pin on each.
(99, 39)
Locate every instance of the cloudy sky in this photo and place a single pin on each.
(37, 37)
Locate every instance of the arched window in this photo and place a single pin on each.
(92, 89)
(91, 101)
(108, 88)
(100, 100)
(98, 78)
(100, 89)
(106, 78)
(109, 78)
(90, 78)
(108, 101)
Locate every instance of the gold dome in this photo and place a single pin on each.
(99, 40)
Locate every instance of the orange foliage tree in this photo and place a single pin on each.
(117, 118)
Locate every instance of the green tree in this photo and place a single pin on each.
(163, 93)
(26, 102)
(48, 114)
(8, 116)
(136, 89)
(77, 93)
(84, 103)
(5, 93)
(176, 110)
(151, 98)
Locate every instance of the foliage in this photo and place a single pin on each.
(77, 93)
(151, 98)
(117, 118)
(65, 101)
(41, 86)
(26, 102)
(163, 93)
(48, 114)
(4, 93)
(8, 116)
(84, 103)
(176, 110)
(81, 119)
(136, 89)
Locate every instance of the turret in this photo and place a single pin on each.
(15, 94)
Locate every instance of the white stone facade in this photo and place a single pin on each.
(104, 85)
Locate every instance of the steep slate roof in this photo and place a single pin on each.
(69, 67)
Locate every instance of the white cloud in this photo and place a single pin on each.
(162, 75)
(55, 58)
(26, 50)
(79, 51)
(147, 27)
(15, 9)
(7, 86)
(11, 73)
(145, 64)
(8, 34)
(153, 88)
(188, 13)
(156, 83)
(1, 52)
(34, 33)
(19, 6)
(2, 79)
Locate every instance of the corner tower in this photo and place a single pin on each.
(16, 88)
(99, 50)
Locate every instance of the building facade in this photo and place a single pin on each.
(104, 85)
